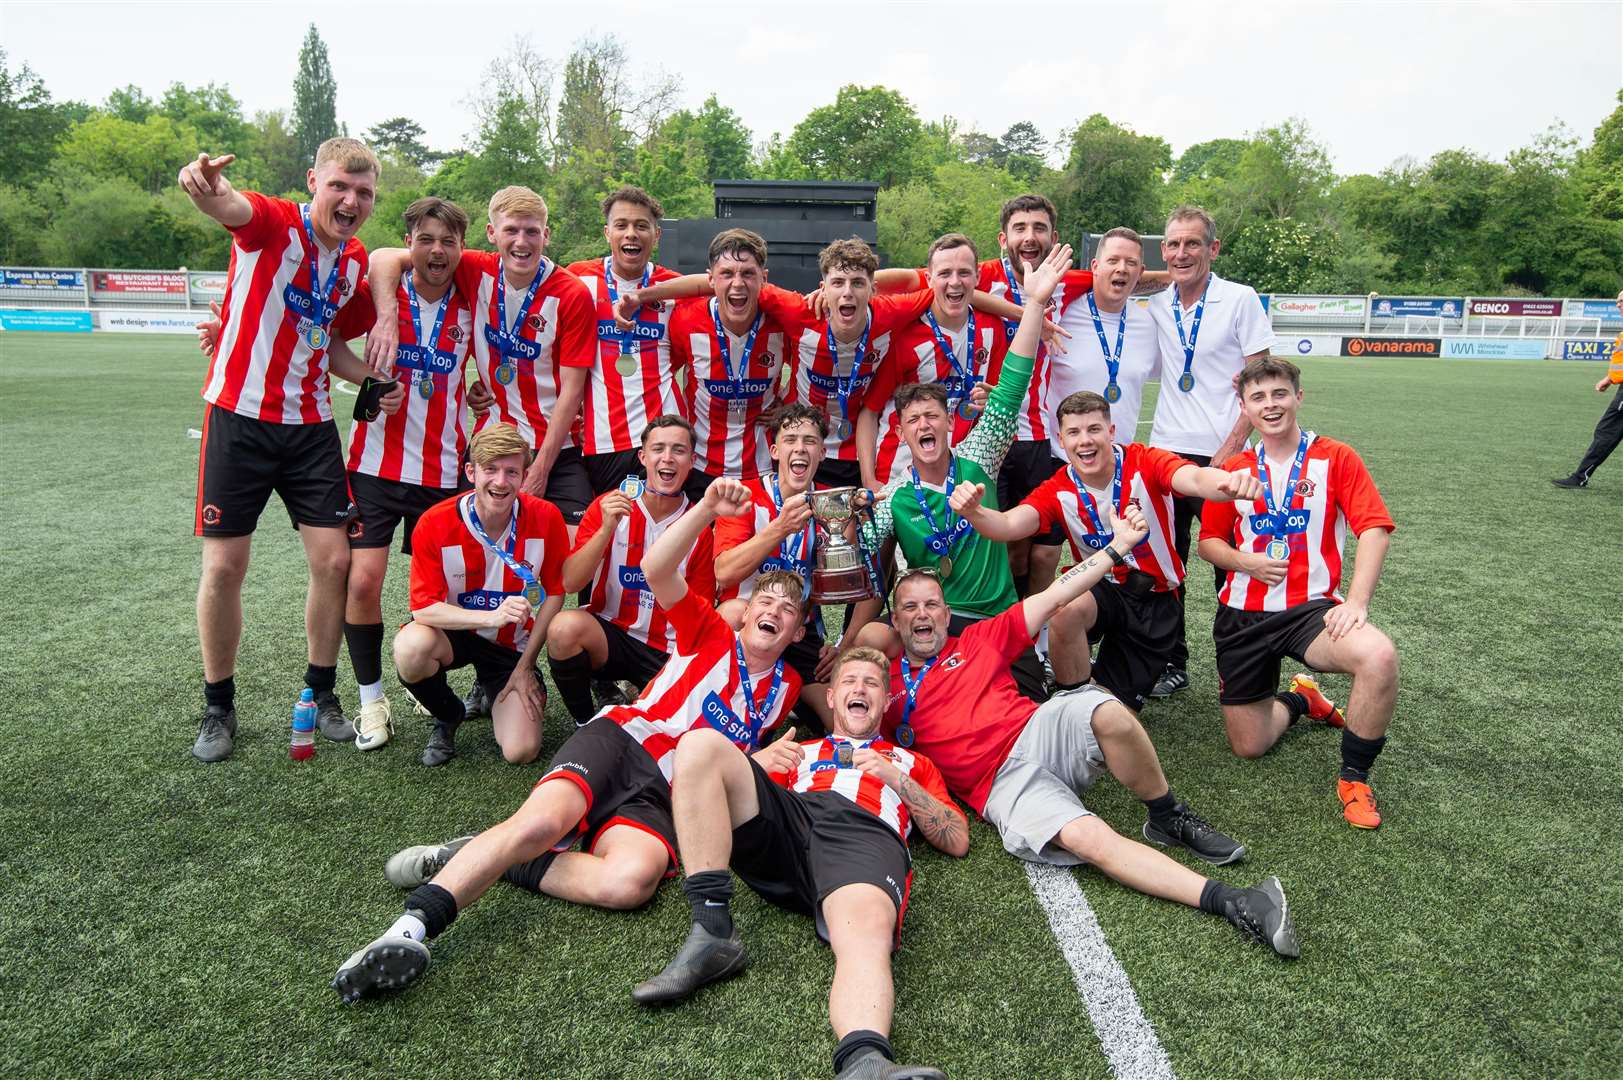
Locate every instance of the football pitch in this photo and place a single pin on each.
(161, 917)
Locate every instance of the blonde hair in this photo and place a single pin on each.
(498, 441)
(858, 654)
(789, 583)
(350, 155)
(517, 201)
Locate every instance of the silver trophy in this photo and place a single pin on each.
(840, 574)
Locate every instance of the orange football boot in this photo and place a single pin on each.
(1358, 804)
(1319, 707)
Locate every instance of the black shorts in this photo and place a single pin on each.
(605, 472)
(801, 847)
(1136, 632)
(380, 505)
(1250, 645)
(628, 658)
(244, 459)
(803, 655)
(1030, 677)
(697, 484)
(493, 664)
(1028, 464)
(621, 783)
(834, 473)
(568, 487)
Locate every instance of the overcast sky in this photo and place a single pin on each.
(1376, 81)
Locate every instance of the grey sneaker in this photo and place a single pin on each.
(330, 718)
(216, 734)
(1186, 829)
(441, 745)
(703, 958)
(412, 867)
(874, 1066)
(1171, 681)
(477, 702)
(389, 964)
(1262, 914)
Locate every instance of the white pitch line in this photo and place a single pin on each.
(342, 389)
(1125, 1033)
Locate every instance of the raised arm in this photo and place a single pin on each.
(386, 266)
(1004, 526)
(677, 288)
(661, 563)
(205, 184)
(737, 563)
(1128, 530)
(1217, 485)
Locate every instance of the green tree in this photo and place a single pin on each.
(1022, 151)
(31, 125)
(148, 154)
(23, 220)
(111, 223)
(1215, 159)
(1601, 167)
(129, 103)
(1275, 255)
(725, 139)
(869, 133)
(958, 197)
(274, 162)
(315, 97)
(401, 138)
(212, 112)
(1112, 177)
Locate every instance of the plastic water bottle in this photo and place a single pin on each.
(302, 747)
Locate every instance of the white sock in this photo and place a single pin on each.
(408, 926)
(372, 691)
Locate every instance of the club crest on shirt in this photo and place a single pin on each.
(1135, 501)
(536, 322)
(952, 661)
(343, 286)
(1305, 488)
(981, 356)
(454, 333)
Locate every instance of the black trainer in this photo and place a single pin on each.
(390, 963)
(1573, 481)
(441, 745)
(1171, 681)
(608, 693)
(874, 1066)
(703, 958)
(330, 718)
(476, 702)
(1186, 829)
(216, 734)
(1262, 914)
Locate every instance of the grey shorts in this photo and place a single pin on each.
(1035, 793)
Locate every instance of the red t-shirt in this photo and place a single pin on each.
(618, 407)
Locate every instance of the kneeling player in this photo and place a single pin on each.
(610, 782)
(1135, 610)
(486, 582)
(1281, 597)
(623, 632)
(824, 834)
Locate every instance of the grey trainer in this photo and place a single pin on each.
(216, 734)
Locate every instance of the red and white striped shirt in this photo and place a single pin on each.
(914, 357)
(733, 531)
(699, 686)
(814, 380)
(819, 771)
(728, 441)
(1146, 481)
(620, 593)
(557, 331)
(423, 442)
(1034, 418)
(1335, 491)
(450, 565)
(262, 365)
(618, 407)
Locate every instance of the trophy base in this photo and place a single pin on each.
(841, 586)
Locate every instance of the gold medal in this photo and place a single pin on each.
(943, 568)
(626, 364)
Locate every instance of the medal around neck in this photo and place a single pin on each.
(632, 487)
(506, 372)
(844, 755)
(626, 364)
(1278, 549)
(840, 575)
(1113, 393)
(425, 386)
(1186, 382)
(943, 568)
(316, 336)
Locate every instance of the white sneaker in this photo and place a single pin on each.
(373, 725)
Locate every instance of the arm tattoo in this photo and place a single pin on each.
(944, 826)
(1078, 570)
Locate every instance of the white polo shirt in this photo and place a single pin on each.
(1233, 327)
(1083, 365)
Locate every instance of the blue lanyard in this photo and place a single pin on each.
(757, 716)
(1090, 506)
(1112, 360)
(1274, 516)
(326, 298)
(726, 353)
(628, 339)
(1015, 296)
(966, 374)
(911, 685)
(532, 588)
(505, 334)
(1186, 383)
(941, 540)
(842, 387)
(432, 342)
(802, 541)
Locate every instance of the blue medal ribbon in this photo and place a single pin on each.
(843, 387)
(795, 550)
(1016, 297)
(425, 381)
(532, 588)
(736, 380)
(628, 338)
(1186, 381)
(757, 714)
(910, 685)
(966, 374)
(1280, 533)
(942, 539)
(1100, 537)
(325, 303)
(1112, 360)
(506, 334)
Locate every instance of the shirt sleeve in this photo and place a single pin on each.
(472, 268)
(885, 381)
(428, 585)
(1251, 325)
(1162, 465)
(988, 443)
(1218, 520)
(695, 623)
(786, 308)
(269, 216)
(590, 523)
(882, 526)
(577, 337)
(924, 773)
(1355, 492)
(1006, 634)
(729, 532)
(701, 571)
(1078, 283)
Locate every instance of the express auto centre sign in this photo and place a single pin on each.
(1518, 309)
(1391, 346)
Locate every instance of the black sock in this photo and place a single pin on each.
(1295, 704)
(1022, 582)
(861, 1043)
(709, 892)
(435, 906)
(573, 677)
(222, 694)
(438, 698)
(1215, 894)
(528, 875)
(365, 643)
(320, 678)
(1161, 809)
(1358, 755)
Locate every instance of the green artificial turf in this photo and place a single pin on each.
(158, 916)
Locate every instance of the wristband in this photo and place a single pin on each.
(1115, 558)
